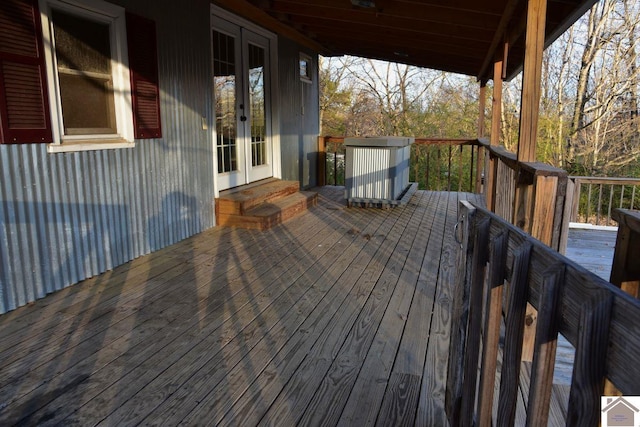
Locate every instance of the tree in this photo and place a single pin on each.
(335, 95)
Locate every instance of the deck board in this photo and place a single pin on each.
(339, 316)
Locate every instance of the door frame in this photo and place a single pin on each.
(273, 81)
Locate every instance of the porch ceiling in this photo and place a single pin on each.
(461, 36)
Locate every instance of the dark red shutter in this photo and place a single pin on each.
(24, 105)
(143, 64)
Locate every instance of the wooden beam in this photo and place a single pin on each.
(248, 11)
(496, 116)
(481, 108)
(411, 13)
(496, 103)
(499, 37)
(530, 102)
(322, 162)
(480, 163)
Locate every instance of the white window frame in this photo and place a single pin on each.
(114, 16)
(306, 78)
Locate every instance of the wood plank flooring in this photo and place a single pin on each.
(337, 317)
(593, 249)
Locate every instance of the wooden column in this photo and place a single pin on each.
(496, 119)
(322, 162)
(496, 103)
(480, 165)
(526, 196)
(531, 78)
(481, 108)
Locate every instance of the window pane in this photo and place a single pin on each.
(257, 100)
(224, 75)
(83, 54)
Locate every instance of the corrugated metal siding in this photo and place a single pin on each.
(370, 173)
(299, 112)
(66, 217)
(377, 173)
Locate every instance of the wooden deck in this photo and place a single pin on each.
(593, 249)
(339, 316)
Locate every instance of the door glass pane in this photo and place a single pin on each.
(224, 75)
(257, 102)
(83, 55)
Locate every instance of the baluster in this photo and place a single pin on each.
(611, 188)
(599, 208)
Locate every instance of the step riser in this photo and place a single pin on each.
(266, 222)
(234, 207)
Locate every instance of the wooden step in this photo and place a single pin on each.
(269, 214)
(239, 200)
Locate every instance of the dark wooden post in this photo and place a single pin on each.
(625, 271)
(322, 161)
(465, 229)
(496, 116)
(480, 166)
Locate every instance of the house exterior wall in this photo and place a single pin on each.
(299, 112)
(66, 217)
(69, 216)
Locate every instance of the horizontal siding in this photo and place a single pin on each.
(69, 216)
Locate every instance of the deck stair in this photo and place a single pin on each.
(263, 204)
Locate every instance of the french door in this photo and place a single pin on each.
(242, 104)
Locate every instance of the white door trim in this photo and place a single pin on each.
(275, 98)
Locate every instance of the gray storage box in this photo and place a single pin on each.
(377, 169)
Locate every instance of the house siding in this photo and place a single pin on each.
(69, 216)
(300, 115)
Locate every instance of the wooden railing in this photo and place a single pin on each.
(436, 163)
(529, 195)
(502, 270)
(625, 270)
(595, 198)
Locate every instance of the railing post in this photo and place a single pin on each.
(625, 271)
(576, 200)
(544, 208)
(322, 162)
(465, 228)
(479, 170)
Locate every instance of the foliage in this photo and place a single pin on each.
(589, 110)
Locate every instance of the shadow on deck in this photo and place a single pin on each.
(338, 316)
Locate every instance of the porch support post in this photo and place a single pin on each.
(481, 108)
(321, 179)
(480, 165)
(531, 78)
(496, 103)
(527, 194)
(496, 120)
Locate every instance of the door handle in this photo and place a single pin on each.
(243, 118)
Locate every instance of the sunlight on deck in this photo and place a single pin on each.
(338, 316)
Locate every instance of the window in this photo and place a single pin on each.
(305, 68)
(88, 74)
(65, 78)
